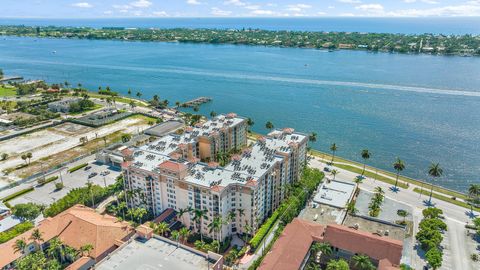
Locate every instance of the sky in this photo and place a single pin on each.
(236, 8)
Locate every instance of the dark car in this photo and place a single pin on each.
(92, 175)
(88, 168)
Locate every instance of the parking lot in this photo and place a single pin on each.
(47, 193)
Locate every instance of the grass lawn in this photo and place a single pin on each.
(372, 175)
(96, 107)
(426, 191)
(7, 91)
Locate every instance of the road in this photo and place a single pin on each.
(458, 246)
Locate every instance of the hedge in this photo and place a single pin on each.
(265, 228)
(48, 180)
(15, 231)
(16, 194)
(78, 167)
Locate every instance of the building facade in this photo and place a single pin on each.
(181, 172)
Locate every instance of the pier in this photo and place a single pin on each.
(6, 79)
(196, 102)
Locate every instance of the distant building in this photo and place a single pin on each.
(62, 105)
(113, 154)
(75, 227)
(292, 249)
(164, 128)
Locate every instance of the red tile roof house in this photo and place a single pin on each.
(75, 227)
(292, 249)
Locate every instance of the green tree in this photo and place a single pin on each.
(435, 171)
(402, 213)
(432, 212)
(474, 195)
(1, 73)
(434, 258)
(36, 236)
(139, 94)
(198, 216)
(337, 265)
(334, 149)
(184, 233)
(312, 137)
(365, 155)
(362, 262)
(213, 114)
(126, 137)
(176, 237)
(215, 227)
(27, 211)
(86, 249)
(399, 166)
(20, 245)
(162, 228)
(269, 125)
(250, 122)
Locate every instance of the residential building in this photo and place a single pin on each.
(180, 171)
(75, 227)
(62, 105)
(292, 248)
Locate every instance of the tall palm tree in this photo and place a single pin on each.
(176, 237)
(184, 233)
(250, 122)
(434, 171)
(161, 228)
(241, 213)
(216, 227)
(325, 248)
(379, 190)
(129, 92)
(248, 230)
(36, 236)
(362, 262)
(231, 216)
(334, 149)
(213, 114)
(474, 195)
(181, 212)
(399, 166)
(20, 246)
(139, 94)
(198, 215)
(365, 155)
(334, 173)
(55, 250)
(312, 137)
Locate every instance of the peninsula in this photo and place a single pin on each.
(463, 45)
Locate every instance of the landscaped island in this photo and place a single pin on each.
(465, 45)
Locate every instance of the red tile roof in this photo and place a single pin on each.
(172, 166)
(293, 245)
(127, 152)
(360, 242)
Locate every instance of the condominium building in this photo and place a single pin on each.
(180, 171)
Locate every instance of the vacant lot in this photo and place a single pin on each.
(6, 91)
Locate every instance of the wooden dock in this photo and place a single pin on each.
(6, 79)
(196, 102)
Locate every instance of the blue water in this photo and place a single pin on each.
(457, 25)
(420, 108)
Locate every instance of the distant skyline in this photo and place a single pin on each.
(237, 8)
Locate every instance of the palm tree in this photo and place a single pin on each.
(379, 190)
(250, 122)
(315, 248)
(176, 237)
(216, 227)
(362, 262)
(313, 266)
(312, 137)
(269, 125)
(365, 155)
(434, 171)
(177, 104)
(325, 248)
(399, 166)
(182, 211)
(139, 94)
(334, 173)
(474, 195)
(86, 249)
(334, 149)
(198, 215)
(248, 230)
(231, 216)
(184, 233)
(24, 158)
(402, 213)
(55, 250)
(213, 114)
(241, 213)
(161, 228)
(36, 236)
(20, 246)
(129, 92)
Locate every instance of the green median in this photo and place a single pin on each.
(78, 167)
(444, 198)
(16, 194)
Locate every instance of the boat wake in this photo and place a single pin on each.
(240, 76)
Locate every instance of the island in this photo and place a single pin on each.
(435, 44)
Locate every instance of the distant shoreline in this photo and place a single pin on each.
(457, 45)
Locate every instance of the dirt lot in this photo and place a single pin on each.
(62, 143)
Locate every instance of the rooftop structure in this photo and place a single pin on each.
(164, 128)
(291, 250)
(159, 253)
(77, 226)
(335, 193)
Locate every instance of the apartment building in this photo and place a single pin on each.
(179, 171)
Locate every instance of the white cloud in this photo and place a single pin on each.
(252, 7)
(347, 15)
(321, 13)
(108, 12)
(350, 1)
(83, 5)
(331, 7)
(193, 2)
(219, 12)
(121, 7)
(141, 4)
(137, 13)
(298, 7)
(432, 2)
(235, 3)
(370, 8)
(446, 11)
(160, 13)
(263, 12)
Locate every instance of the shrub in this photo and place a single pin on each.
(58, 186)
(15, 231)
(78, 167)
(16, 194)
(27, 211)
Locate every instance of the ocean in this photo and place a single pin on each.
(420, 108)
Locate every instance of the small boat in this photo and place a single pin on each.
(54, 52)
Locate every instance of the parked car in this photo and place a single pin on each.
(88, 168)
(92, 175)
(327, 169)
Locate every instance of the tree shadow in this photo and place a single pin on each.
(429, 203)
(471, 214)
(394, 189)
